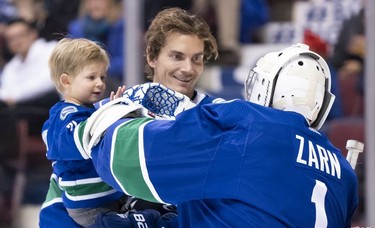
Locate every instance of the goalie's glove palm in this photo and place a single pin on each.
(158, 99)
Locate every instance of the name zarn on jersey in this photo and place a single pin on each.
(318, 157)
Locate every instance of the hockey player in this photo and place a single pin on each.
(261, 163)
(178, 44)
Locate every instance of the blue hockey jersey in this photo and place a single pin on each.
(236, 164)
(75, 174)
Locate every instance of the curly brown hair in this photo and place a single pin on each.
(177, 20)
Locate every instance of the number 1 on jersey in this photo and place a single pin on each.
(318, 198)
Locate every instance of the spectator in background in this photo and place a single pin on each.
(25, 77)
(354, 61)
(7, 11)
(351, 27)
(348, 59)
(32, 11)
(26, 90)
(102, 21)
(50, 16)
(25, 80)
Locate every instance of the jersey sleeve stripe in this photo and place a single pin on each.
(78, 132)
(126, 158)
(53, 194)
(143, 165)
(88, 196)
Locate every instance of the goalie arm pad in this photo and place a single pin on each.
(91, 130)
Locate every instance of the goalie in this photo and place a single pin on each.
(261, 163)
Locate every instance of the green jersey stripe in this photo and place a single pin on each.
(54, 193)
(125, 158)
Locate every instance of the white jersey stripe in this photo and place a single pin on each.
(143, 166)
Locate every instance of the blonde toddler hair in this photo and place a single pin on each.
(70, 56)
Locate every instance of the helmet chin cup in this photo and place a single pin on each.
(294, 79)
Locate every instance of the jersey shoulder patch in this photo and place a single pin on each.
(66, 111)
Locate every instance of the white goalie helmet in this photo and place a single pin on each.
(293, 79)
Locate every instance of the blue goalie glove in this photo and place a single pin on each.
(150, 100)
(156, 98)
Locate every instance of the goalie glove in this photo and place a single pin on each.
(159, 100)
(105, 116)
(150, 100)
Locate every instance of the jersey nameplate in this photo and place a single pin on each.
(315, 156)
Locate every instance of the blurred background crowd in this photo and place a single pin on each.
(244, 29)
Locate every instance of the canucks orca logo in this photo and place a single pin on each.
(66, 111)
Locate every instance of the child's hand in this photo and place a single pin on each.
(119, 92)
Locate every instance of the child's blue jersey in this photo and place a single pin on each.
(74, 173)
(232, 165)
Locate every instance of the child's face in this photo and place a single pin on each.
(88, 86)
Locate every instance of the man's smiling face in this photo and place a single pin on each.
(179, 63)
